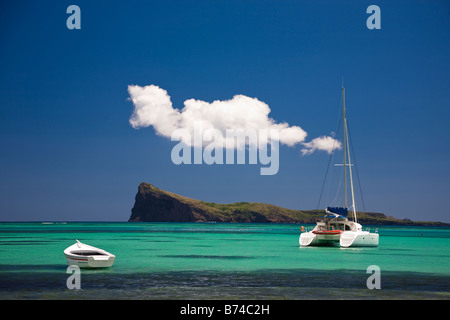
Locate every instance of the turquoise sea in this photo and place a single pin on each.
(220, 261)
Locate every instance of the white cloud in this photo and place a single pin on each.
(323, 143)
(153, 107)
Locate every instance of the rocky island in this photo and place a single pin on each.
(155, 205)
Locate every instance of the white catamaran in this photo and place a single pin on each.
(336, 228)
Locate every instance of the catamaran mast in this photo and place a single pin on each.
(345, 148)
(347, 154)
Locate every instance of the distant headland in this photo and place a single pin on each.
(155, 205)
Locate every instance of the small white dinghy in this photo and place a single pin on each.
(85, 256)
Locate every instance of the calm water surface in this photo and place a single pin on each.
(220, 261)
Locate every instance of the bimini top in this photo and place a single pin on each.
(336, 212)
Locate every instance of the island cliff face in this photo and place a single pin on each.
(152, 204)
(156, 205)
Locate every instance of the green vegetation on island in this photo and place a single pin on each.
(155, 205)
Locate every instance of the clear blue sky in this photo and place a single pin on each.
(68, 152)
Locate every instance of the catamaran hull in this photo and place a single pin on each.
(359, 239)
(312, 239)
(345, 240)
